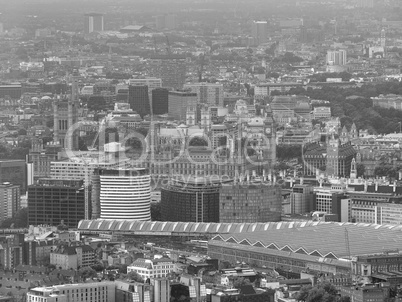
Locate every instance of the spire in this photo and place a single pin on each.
(353, 169)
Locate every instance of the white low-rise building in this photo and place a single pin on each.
(151, 268)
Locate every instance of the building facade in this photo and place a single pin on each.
(9, 200)
(160, 101)
(151, 268)
(193, 199)
(253, 201)
(138, 98)
(207, 93)
(93, 23)
(179, 101)
(82, 292)
(52, 201)
(15, 172)
(123, 194)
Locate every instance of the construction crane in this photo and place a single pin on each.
(348, 252)
(168, 50)
(201, 70)
(156, 49)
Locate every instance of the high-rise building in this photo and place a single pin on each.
(179, 101)
(12, 251)
(207, 93)
(123, 194)
(138, 98)
(160, 101)
(254, 201)
(15, 172)
(171, 69)
(166, 22)
(93, 23)
(259, 32)
(9, 200)
(383, 38)
(52, 201)
(152, 84)
(195, 199)
(161, 290)
(337, 57)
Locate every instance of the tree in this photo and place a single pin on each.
(323, 292)
(198, 141)
(22, 131)
(87, 272)
(98, 267)
(360, 169)
(156, 211)
(241, 281)
(19, 220)
(134, 276)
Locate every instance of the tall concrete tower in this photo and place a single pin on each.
(65, 110)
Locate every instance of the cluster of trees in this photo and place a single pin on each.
(288, 57)
(323, 292)
(15, 152)
(387, 170)
(359, 107)
(285, 152)
(20, 220)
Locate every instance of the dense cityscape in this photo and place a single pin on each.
(199, 150)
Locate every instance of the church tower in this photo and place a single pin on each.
(344, 135)
(191, 115)
(205, 119)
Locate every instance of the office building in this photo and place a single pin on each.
(253, 201)
(337, 57)
(123, 194)
(52, 201)
(259, 32)
(152, 84)
(82, 292)
(93, 23)
(301, 199)
(171, 69)
(160, 101)
(138, 98)
(332, 200)
(178, 101)
(9, 200)
(207, 93)
(194, 199)
(15, 172)
(151, 268)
